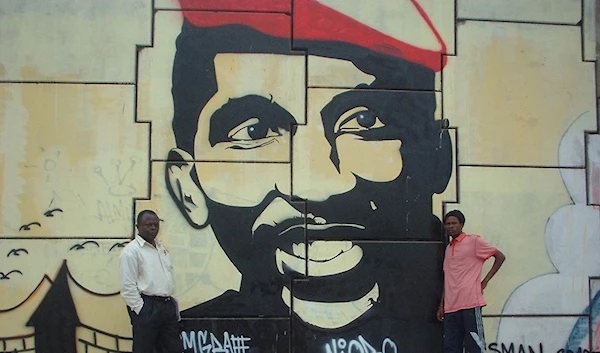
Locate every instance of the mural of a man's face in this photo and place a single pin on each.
(263, 140)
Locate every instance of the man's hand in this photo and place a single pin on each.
(498, 261)
(440, 313)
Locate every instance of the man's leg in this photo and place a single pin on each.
(145, 328)
(453, 332)
(474, 339)
(168, 335)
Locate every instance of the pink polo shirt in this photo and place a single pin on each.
(463, 262)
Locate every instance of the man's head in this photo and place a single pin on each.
(454, 222)
(365, 159)
(147, 224)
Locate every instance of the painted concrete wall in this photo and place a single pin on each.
(298, 155)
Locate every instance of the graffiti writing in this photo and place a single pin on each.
(359, 345)
(111, 212)
(207, 342)
(512, 348)
(118, 181)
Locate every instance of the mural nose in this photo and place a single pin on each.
(314, 175)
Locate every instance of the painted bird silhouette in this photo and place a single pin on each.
(118, 245)
(5, 276)
(28, 226)
(82, 245)
(50, 213)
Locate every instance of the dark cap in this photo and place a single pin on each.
(455, 213)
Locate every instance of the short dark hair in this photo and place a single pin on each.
(142, 213)
(455, 213)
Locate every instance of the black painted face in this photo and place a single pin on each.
(359, 158)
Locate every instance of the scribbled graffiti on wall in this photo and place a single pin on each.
(301, 154)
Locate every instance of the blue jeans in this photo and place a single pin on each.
(464, 327)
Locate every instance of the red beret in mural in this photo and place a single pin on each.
(412, 36)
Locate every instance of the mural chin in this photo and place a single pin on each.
(328, 315)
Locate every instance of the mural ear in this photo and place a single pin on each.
(188, 196)
(442, 166)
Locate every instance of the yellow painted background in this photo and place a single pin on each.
(85, 129)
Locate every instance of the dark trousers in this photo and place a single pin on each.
(156, 328)
(464, 327)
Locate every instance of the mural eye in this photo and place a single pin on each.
(251, 130)
(17, 252)
(358, 119)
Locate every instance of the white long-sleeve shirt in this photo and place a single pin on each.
(145, 269)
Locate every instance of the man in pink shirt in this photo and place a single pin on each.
(460, 307)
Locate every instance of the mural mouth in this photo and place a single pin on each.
(282, 219)
(320, 258)
(287, 229)
(311, 226)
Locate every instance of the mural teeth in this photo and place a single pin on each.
(343, 262)
(327, 250)
(320, 220)
(294, 263)
(299, 250)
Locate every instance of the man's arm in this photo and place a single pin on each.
(129, 277)
(440, 311)
(498, 261)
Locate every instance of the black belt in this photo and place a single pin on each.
(156, 297)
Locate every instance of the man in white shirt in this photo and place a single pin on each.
(147, 285)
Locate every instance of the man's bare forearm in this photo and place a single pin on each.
(498, 261)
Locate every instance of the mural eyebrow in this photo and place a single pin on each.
(16, 252)
(238, 110)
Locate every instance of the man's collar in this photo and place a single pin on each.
(141, 241)
(459, 238)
